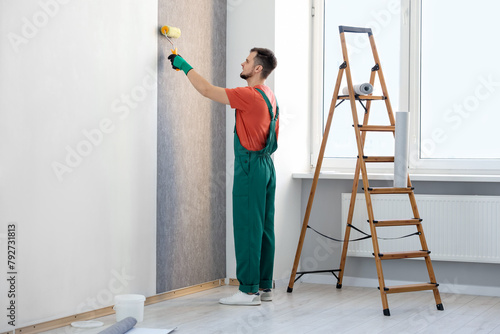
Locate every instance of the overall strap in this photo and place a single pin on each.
(271, 142)
(269, 105)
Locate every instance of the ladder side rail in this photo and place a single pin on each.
(364, 173)
(315, 181)
(354, 191)
(353, 110)
(350, 215)
(382, 81)
(422, 238)
(423, 243)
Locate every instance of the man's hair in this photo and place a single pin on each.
(266, 58)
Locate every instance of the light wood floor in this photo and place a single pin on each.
(317, 308)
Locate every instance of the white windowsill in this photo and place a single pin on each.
(345, 175)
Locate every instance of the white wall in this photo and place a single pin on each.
(273, 24)
(293, 89)
(78, 143)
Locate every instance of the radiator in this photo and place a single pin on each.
(457, 228)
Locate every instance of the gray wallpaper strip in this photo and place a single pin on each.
(191, 192)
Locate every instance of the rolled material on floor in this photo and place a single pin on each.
(361, 89)
(121, 326)
(401, 149)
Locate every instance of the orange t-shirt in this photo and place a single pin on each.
(252, 115)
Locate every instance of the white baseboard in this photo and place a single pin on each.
(444, 287)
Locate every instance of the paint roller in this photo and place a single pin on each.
(171, 32)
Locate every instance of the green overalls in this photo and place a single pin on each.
(253, 210)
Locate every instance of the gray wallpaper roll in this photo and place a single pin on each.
(191, 201)
(359, 89)
(121, 327)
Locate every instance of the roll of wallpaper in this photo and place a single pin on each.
(361, 89)
(121, 326)
(401, 149)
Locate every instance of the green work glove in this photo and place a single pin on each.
(179, 63)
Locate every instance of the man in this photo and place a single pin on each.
(255, 139)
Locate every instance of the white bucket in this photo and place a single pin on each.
(129, 306)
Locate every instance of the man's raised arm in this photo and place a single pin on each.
(205, 88)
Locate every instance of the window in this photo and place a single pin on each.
(459, 83)
(438, 66)
(385, 19)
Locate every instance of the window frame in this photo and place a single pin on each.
(409, 100)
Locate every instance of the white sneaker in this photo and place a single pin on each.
(241, 298)
(266, 295)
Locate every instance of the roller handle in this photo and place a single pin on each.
(355, 30)
(174, 51)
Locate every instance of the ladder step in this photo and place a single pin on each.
(377, 128)
(401, 222)
(390, 190)
(410, 287)
(362, 97)
(378, 159)
(404, 255)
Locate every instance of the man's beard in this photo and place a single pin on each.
(245, 76)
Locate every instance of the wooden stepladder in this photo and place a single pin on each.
(360, 132)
